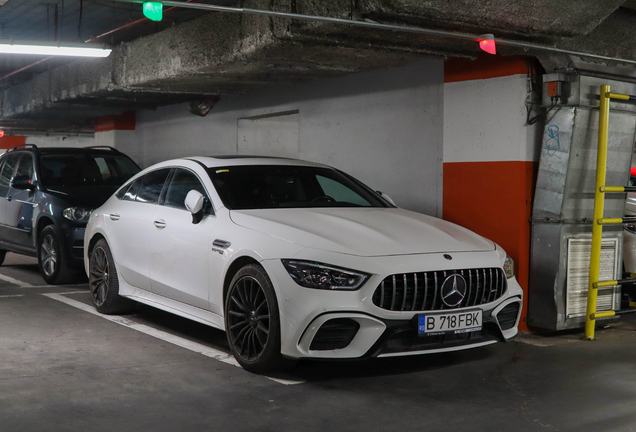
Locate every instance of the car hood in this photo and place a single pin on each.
(93, 196)
(363, 231)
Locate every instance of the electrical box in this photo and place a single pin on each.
(561, 88)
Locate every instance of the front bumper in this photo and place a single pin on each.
(311, 318)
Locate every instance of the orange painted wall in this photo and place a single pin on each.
(11, 141)
(494, 199)
(125, 121)
(484, 67)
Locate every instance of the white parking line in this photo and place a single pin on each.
(167, 337)
(12, 295)
(54, 286)
(15, 281)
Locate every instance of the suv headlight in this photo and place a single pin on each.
(311, 274)
(76, 214)
(509, 267)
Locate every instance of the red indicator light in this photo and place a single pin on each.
(488, 46)
(1, 133)
(487, 43)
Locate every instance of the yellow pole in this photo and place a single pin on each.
(599, 197)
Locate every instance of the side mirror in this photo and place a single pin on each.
(23, 182)
(194, 202)
(386, 197)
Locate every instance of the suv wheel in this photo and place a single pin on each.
(51, 257)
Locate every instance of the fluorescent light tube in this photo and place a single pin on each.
(34, 48)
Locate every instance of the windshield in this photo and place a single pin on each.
(281, 186)
(84, 169)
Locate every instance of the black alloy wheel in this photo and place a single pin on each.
(104, 283)
(98, 278)
(252, 321)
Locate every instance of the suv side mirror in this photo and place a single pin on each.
(194, 202)
(23, 182)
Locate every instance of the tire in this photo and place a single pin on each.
(252, 321)
(52, 259)
(104, 283)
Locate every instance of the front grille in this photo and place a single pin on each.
(421, 291)
(507, 317)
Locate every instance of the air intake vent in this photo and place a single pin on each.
(336, 333)
(507, 317)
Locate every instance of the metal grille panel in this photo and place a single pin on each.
(578, 276)
(420, 291)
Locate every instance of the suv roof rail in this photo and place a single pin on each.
(22, 146)
(113, 149)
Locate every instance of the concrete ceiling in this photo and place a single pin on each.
(194, 55)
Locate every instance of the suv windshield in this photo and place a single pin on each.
(269, 186)
(85, 169)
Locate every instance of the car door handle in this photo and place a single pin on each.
(161, 224)
(9, 198)
(114, 216)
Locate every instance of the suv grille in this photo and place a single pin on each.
(421, 291)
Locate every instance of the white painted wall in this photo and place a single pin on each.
(485, 121)
(384, 127)
(123, 140)
(58, 141)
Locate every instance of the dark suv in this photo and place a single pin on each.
(46, 196)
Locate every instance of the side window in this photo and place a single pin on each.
(182, 182)
(7, 169)
(131, 192)
(121, 192)
(25, 168)
(151, 187)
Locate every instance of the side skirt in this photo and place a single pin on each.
(186, 311)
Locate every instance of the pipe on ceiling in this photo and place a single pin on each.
(379, 26)
(93, 39)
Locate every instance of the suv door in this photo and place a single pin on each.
(19, 207)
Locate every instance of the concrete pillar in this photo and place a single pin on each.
(490, 154)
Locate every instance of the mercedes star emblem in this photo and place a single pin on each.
(453, 290)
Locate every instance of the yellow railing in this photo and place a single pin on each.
(597, 226)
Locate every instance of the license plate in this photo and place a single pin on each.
(455, 322)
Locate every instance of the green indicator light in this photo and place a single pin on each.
(153, 11)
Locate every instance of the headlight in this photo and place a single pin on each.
(509, 267)
(310, 274)
(76, 214)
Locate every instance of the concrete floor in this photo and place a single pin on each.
(63, 368)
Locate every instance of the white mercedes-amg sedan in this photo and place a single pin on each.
(296, 260)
